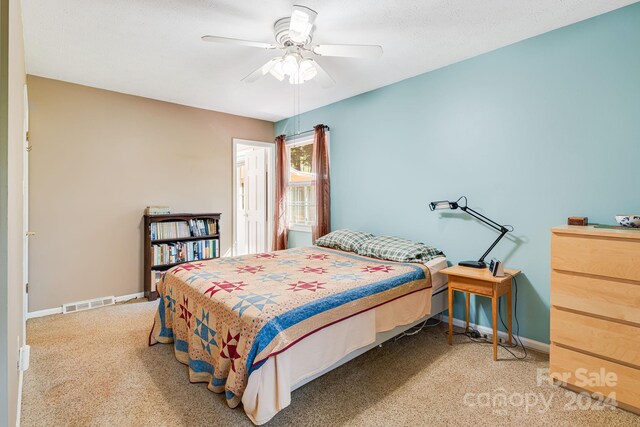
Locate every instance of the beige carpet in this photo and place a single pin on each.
(94, 369)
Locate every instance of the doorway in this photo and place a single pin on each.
(253, 196)
(25, 217)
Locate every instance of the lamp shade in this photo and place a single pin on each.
(443, 204)
(290, 64)
(307, 70)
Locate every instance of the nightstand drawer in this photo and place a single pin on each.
(619, 258)
(605, 338)
(576, 366)
(597, 295)
(474, 286)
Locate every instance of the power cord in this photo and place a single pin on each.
(418, 328)
(516, 336)
(473, 334)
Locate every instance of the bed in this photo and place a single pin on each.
(256, 327)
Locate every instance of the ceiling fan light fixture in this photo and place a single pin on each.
(301, 24)
(293, 35)
(291, 64)
(307, 70)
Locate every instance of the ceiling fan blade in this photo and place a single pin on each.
(301, 23)
(323, 77)
(348, 50)
(261, 71)
(217, 39)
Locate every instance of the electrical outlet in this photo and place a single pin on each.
(23, 358)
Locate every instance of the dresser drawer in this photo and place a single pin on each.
(597, 295)
(598, 336)
(575, 367)
(611, 257)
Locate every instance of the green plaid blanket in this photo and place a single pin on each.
(344, 240)
(397, 249)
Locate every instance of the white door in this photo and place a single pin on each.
(25, 217)
(253, 193)
(256, 201)
(241, 217)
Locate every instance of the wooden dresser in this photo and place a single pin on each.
(595, 311)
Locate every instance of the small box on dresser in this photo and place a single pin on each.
(595, 312)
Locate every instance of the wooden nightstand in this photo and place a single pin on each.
(479, 281)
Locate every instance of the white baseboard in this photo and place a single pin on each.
(19, 405)
(58, 310)
(130, 296)
(45, 312)
(527, 342)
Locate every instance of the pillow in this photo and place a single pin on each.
(397, 249)
(345, 240)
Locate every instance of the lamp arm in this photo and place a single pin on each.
(503, 229)
(491, 223)
(484, 255)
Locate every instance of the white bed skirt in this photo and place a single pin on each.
(269, 388)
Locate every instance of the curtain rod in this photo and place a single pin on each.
(304, 132)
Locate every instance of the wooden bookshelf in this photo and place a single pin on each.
(168, 242)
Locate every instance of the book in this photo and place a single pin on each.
(615, 227)
(158, 210)
(156, 277)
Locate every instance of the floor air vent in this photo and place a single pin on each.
(72, 307)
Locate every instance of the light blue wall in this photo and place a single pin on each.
(299, 238)
(532, 133)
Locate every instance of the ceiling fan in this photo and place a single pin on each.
(293, 35)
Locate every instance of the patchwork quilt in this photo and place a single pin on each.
(226, 317)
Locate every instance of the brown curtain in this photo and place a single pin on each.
(280, 229)
(320, 167)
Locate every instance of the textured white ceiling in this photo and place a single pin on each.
(152, 48)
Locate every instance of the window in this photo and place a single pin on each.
(301, 208)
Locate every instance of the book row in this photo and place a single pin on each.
(203, 227)
(171, 253)
(183, 229)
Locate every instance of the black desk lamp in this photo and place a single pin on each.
(445, 204)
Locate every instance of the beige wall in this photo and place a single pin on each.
(12, 162)
(98, 159)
